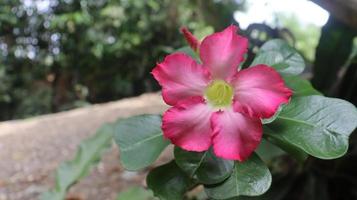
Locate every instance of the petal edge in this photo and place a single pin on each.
(187, 124)
(259, 91)
(235, 136)
(222, 52)
(180, 77)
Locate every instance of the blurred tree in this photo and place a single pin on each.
(59, 54)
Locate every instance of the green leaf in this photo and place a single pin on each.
(249, 178)
(268, 151)
(284, 58)
(140, 140)
(168, 182)
(279, 190)
(205, 166)
(318, 125)
(300, 86)
(136, 193)
(270, 58)
(292, 150)
(88, 154)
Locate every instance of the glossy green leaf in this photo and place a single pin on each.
(300, 86)
(168, 182)
(136, 193)
(268, 151)
(205, 166)
(279, 189)
(297, 153)
(270, 58)
(249, 178)
(88, 154)
(140, 140)
(318, 125)
(284, 58)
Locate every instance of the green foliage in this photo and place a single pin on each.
(88, 154)
(278, 54)
(203, 166)
(294, 151)
(249, 178)
(300, 87)
(278, 191)
(318, 125)
(140, 140)
(168, 182)
(267, 151)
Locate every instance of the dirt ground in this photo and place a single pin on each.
(31, 150)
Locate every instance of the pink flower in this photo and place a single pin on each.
(214, 104)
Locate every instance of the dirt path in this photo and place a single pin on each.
(31, 149)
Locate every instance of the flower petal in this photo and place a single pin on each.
(180, 77)
(223, 51)
(259, 91)
(235, 136)
(187, 124)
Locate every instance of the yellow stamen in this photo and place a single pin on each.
(219, 94)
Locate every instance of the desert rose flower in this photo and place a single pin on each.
(214, 103)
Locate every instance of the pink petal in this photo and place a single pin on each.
(223, 51)
(190, 38)
(235, 136)
(180, 77)
(259, 91)
(187, 124)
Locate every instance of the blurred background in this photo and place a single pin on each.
(60, 54)
(57, 55)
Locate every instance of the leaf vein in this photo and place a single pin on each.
(132, 146)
